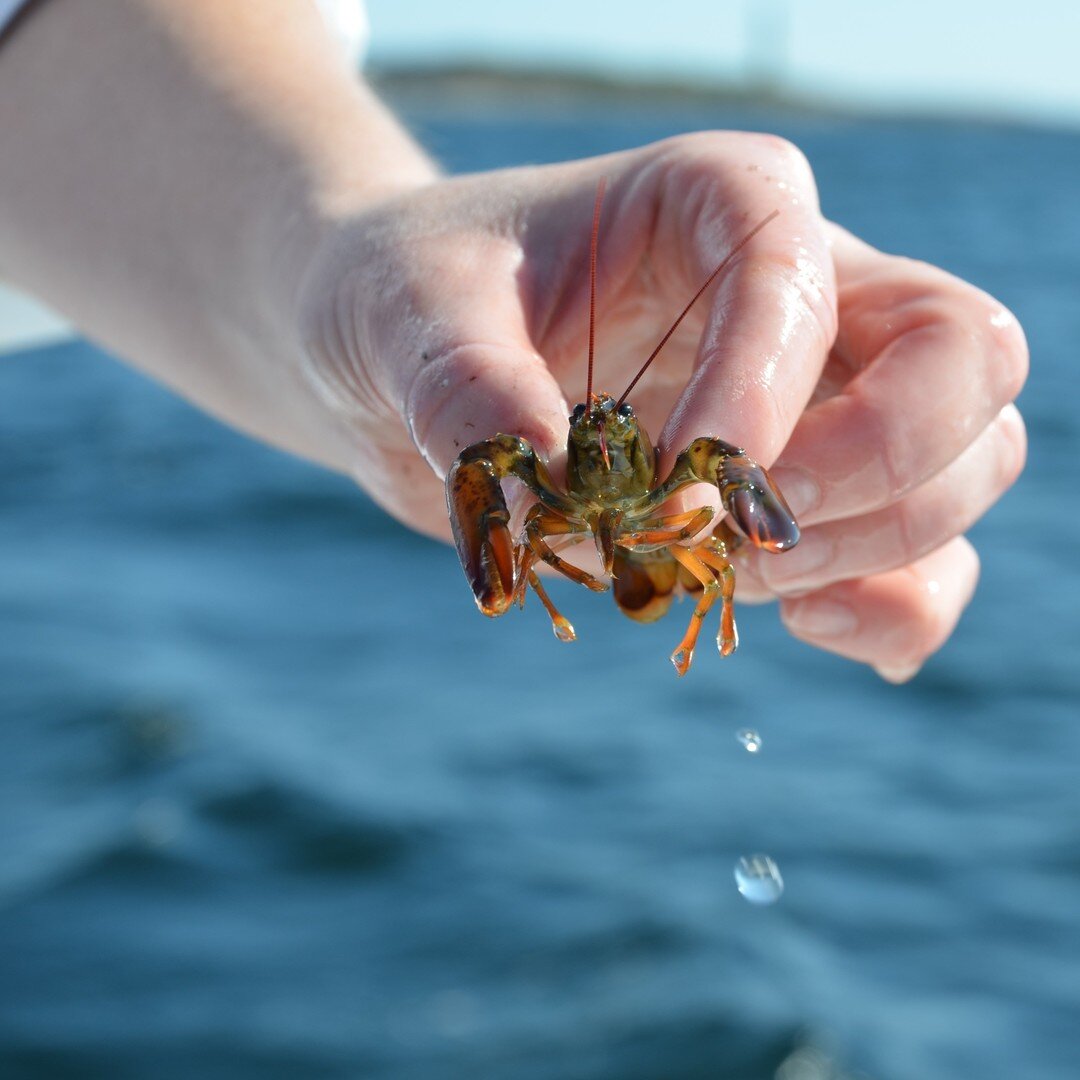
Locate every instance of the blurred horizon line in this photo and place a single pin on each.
(463, 80)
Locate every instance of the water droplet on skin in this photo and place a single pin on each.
(759, 880)
(750, 739)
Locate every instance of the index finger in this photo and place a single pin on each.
(773, 319)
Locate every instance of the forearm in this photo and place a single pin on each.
(166, 167)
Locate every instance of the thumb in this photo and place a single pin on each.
(450, 351)
(467, 394)
(463, 393)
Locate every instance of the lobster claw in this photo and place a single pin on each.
(746, 490)
(480, 519)
(760, 511)
(752, 498)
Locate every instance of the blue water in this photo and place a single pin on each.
(275, 801)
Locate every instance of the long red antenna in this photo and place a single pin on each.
(711, 278)
(592, 284)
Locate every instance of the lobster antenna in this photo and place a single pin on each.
(592, 284)
(711, 278)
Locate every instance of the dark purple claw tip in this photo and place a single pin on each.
(764, 518)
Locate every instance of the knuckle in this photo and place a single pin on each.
(693, 151)
(933, 610)
(992, 326)
(709, 144)
(1013, 444)
(1011, 347)
(785, 155)
(753, 149)
(984, 320)
(969, 562)
(928, 621)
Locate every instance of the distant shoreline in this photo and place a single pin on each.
(467, 82)
(480, 86)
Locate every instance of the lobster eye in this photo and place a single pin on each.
(578, 413)
(626, 410)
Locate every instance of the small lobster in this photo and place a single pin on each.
(612, 492)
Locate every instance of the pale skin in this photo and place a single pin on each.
(209, 192)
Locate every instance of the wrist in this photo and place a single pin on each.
(317, 196)
(298, 222)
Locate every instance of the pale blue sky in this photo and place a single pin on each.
(996, 56)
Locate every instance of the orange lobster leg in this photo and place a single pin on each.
(559, 623)
(684, 653)
(727, 641)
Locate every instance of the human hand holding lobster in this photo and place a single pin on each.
(287, 257)
(461, 311)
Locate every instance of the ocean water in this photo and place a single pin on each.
(276, 802)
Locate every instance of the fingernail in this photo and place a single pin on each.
(901, 673)
(798, 487)
(820, 619)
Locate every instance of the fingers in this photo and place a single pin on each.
(911, 439)
(944, 507)
(769, 328)
(892, 621)
(887, 588)
(924, 363)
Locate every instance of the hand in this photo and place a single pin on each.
(459, 310)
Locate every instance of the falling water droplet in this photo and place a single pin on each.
(758, 878)
(750, 739)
